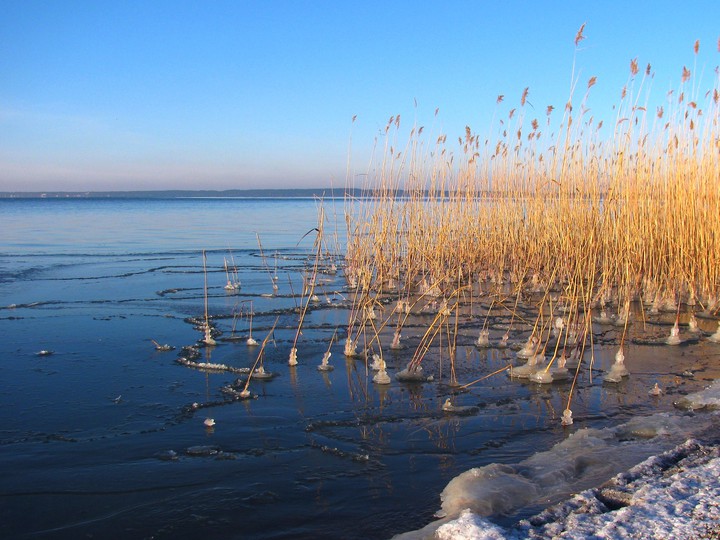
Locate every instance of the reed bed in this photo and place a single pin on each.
(560, 213)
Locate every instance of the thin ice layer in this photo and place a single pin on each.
(578, 461)
(704, 399)
(588, 457)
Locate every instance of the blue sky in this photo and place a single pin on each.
(101, 95)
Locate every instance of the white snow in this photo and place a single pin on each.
(675, 494)
(469, 526)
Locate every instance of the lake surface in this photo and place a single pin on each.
(105, 437)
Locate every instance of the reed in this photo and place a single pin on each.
(257, 370)
(309, 285)
(566, 224)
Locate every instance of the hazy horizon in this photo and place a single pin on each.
(223, 192)
(101, 96)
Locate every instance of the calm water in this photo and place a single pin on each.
(87, 433)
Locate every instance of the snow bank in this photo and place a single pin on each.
(470, 526)
(664, 496)
(673, 495)
(585, 458)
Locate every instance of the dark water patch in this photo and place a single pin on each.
(173, 291)
(11, 438)
(342, 454)
(84, 493)
(203, 451)
(45, 371)
(188, 411)
(262, 498)
(661, 341)
(125, 275)
(149, 255)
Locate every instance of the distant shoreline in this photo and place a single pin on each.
(297, 193)
(184, 194)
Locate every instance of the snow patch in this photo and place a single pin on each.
(469, 526)
(668, 495)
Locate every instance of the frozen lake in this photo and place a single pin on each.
(101, 437)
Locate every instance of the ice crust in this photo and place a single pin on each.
(672, 495)
(704, 399)
(675, 494)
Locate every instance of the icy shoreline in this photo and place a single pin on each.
(673, 494)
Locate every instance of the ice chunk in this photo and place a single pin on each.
(469, 526)
(674, 337)
(325, 363)
(350, 348)
(527, 369)
(577, 462)
(381, 377)
(483, 339)
(618, 369)
(529, 348)
(412, 374)
(716, 336)
(396, 345)
(704, 399)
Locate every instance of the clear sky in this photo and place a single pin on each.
(155, 94)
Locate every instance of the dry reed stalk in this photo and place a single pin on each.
(583, 220)
(258, 360)
(313, 281)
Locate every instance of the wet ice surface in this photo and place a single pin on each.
(671, 495)
(102, 437)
